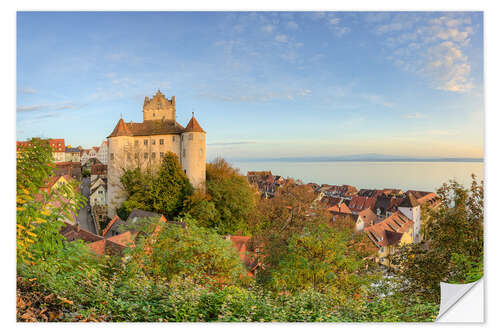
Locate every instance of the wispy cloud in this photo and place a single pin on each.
(431, 47)
(235, 143)
(50, 107)
(282, 38)
(28, 91)
(416, 115)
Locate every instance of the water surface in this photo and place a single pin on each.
(425, 176)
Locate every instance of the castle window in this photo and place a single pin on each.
(185, 171)
(153, 155)
(145, 156)
(136, 156)
(111, 156)
(161, 141)
(162, 154)
(153, 141)
(190, 136)
(145, 142)
(154, 115)
(173, 139)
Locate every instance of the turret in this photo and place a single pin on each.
(193, 153)
(159, 108)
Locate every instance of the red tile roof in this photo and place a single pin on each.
(342, 209)
(148, 127)
(380, 233)
(193, 126)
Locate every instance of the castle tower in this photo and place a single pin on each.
(193, 153)
(411, 209)
(159, 108)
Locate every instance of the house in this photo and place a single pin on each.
(102, 152)
(72, 169)
(89, 163)
(88, 154)
(360, 203)
(73, 232)
(98, 195)
(250, 258)
(423, 198)
(57, 145)
(341, 210)
(56, 181)
(392, 192)
(72, 154)
(411, 209)
(366, 218)
(98, 171)
(117, 225)
(390, 233)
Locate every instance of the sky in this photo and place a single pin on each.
(261, 84)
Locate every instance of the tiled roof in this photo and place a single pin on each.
(409, 201)
(148, 127)
(396, 223)
(110, 224)
(342, 208)
(73, 232)
(193, 126)
(99, 169)
(368, 217)
(125, 239)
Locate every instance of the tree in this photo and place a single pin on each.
(162, 191)
(228, 203)
(453, 251)
(40, 215)
(293, 208)
(318, 258)
(194, 252)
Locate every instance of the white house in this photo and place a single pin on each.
(411, 208)
(102, 153)
(98, 195)
(366, 218)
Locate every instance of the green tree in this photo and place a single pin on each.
(170, 251)
(319, 258)
(162, 191)
(228, 203)
(453, 250)
(40, 215)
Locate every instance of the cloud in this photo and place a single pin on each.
(416, 115)
(235, 143)
(333, 20)
(292, 25)
(28, 91)
(268, 28)
(431, 47)
(378, 100)
(282, 38)
(25, 108)
(48, 107)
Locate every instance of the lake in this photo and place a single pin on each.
(425, 176)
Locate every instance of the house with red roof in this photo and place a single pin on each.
(388, 234)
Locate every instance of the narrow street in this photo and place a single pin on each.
(84, 217)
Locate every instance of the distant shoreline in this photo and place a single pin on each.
(298, 159)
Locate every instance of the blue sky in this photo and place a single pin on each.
(261, 84)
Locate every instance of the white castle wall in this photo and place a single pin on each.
(193, 158)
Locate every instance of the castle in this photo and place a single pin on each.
(143, 145)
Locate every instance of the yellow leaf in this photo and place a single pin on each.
(20, 209)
